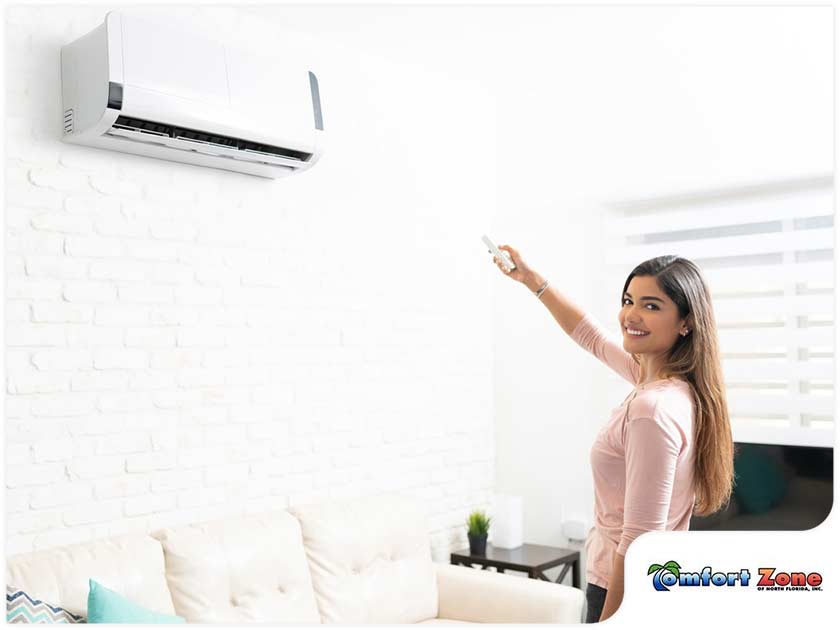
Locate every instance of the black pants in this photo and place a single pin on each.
(595, 598)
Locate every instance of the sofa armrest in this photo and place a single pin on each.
(466, 594)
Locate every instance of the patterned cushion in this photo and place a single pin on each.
(21, 608)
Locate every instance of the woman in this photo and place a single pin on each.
(667, 451)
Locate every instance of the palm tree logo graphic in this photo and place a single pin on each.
(659, 570)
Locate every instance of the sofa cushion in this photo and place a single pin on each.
(370, 560)
(244, 569)
(489, 597)
(132, 565)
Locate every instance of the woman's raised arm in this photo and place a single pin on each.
(590, 336)
(567, 313)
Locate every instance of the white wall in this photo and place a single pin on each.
(186, 343)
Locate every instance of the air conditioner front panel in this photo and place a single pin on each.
(158, 58)
(270, 91)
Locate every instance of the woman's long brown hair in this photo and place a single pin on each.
(696, 359)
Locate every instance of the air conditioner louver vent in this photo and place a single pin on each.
(68, 121)
(203, 137)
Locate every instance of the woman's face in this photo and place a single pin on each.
(649, 319)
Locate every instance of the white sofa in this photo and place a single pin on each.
(356, 562)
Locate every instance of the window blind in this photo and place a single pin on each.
(767, 255)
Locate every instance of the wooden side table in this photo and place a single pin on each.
(531, 559)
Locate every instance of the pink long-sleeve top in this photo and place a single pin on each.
(642, 459)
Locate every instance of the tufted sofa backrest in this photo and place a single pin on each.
(240, 570)
(370, 560)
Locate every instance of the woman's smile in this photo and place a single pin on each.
(650, 321)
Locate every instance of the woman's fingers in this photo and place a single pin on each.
(503, 266)
(510, 250)
(499, 264)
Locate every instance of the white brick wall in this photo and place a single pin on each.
(184, 343)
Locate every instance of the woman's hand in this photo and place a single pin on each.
(522, 273)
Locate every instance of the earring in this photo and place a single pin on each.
(684, 333)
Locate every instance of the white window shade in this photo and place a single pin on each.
(767, 256)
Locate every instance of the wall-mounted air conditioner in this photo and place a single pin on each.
(138, 85)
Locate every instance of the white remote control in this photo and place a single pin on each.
(507, 261)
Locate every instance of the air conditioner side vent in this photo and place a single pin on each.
(204, 137)
(68, 121)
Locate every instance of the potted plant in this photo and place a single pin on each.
(478, 524)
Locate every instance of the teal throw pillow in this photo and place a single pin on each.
(107, 606)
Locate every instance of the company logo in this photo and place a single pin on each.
(669, 574)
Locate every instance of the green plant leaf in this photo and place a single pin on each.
(672, 564)
(478, 523)
(653, 568)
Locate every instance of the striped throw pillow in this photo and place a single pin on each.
(21, 608)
